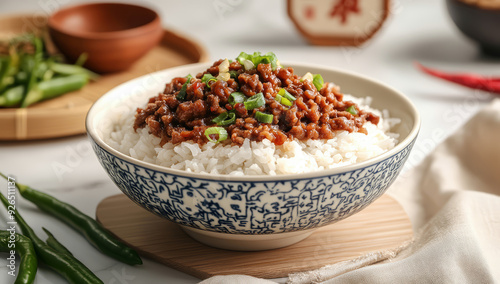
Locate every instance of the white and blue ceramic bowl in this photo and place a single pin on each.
(253, 212)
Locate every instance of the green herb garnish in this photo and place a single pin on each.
(285, 94)
(318, 81)
(257, 58)
(225, 118)
(220, 131)
(264, 117)
(236, 97)
(182, 93)
(352, 110)
(255, 101)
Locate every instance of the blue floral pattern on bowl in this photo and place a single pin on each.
(256, 207)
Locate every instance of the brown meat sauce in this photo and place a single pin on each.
(313, 115)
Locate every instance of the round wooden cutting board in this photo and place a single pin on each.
(65, 115)
(382, 226)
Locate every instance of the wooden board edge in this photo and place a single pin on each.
(280, 274)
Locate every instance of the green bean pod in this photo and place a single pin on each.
(5, 63)
(94, 232)
(28, 263)
(68, 69)
(55, 87)
(12, 97)
(69, 267)
(54, 243)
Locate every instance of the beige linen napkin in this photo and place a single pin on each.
(453, 200)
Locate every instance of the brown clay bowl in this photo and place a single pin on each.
(113, 35)
(479, 24)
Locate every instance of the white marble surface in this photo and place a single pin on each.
(416, 30)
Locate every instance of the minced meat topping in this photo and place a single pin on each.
(252, 97)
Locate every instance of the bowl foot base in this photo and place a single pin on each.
(240, 242)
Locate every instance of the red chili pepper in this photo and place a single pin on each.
(473, 81)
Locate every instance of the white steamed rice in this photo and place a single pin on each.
(256, 158)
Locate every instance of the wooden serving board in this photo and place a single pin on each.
(65, 115)
(383, 225)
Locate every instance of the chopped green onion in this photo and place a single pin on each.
(285, 101)
(243, 56)
(220, 117)
(352, 110)
(318, 81)
(220, 131)
(257, 58)
(236, 97)
(255, 101)
(182, 93)
(225, 118)
(264, 117)
(207, 77)
(268, 58)
(284, 93)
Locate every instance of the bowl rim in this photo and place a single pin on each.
(148, 27)
(407, 141)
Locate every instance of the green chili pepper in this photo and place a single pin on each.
(21, 77)
(54, 87)
(54, 243)
(67, 69)
(14, 61)
(69, 267)
(32, 69)
(5, 63)
(28, 263)
(94, 232)
(81, 59)
(37, 60)
(26, 63)
(12, 97)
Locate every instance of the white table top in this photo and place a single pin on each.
(415, 31)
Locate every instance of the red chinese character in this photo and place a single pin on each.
(343, 8)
